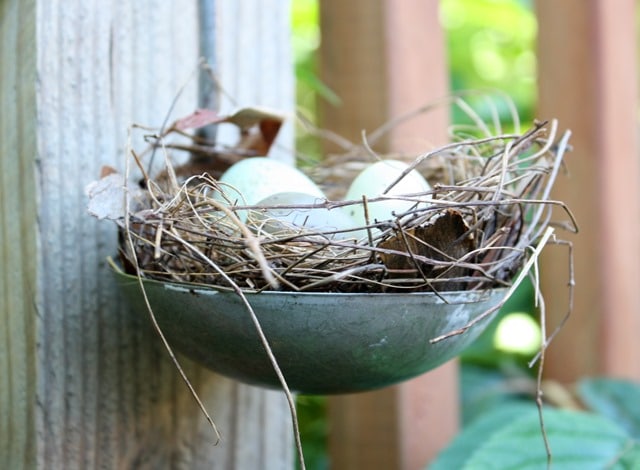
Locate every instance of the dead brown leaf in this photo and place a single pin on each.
(258, 127)
(431, 250)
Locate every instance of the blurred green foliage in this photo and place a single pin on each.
(305, 42)
(491, 46)
(312, 417)
(309, 87)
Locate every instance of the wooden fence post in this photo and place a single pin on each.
(588, 80)
(384, 59)
(84, 382)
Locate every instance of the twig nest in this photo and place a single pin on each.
(264, 225)
(291, 214)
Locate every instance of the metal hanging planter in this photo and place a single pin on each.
(331, 307)
(325, 343)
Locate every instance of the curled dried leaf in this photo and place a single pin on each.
(432, 250)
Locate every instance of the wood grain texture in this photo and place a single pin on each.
(17, 236)
(254, 68)
(385, 59)
(588, 81)
(86, 383)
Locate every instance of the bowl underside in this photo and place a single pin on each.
(324, 343)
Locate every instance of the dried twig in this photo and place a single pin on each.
(174, 359)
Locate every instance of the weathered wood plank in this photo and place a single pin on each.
(88, 384)
(588, 80)
(251, 69)
(384, 59)
(17, 236)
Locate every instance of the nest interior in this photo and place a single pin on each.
(488, 203)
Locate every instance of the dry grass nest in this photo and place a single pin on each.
(489, 202)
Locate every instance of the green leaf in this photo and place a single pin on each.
(579, 441)
(512, 439)
(474, 435)
(483, 389)
(630, 460)
(618, 400)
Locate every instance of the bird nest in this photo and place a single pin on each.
(488, 204)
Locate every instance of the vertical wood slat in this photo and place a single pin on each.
(86, 383)
(17, 237)
(588, 80)
(251, 69)
(384, 59)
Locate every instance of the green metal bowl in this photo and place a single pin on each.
(324, 343)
